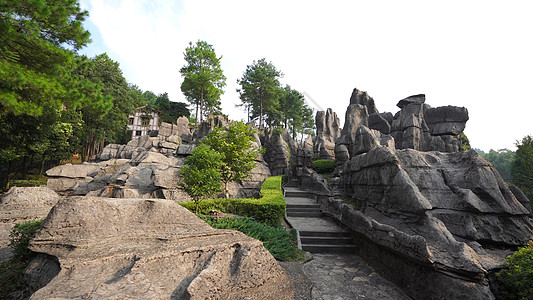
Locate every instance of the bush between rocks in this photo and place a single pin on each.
(324, 166)
(269, 209)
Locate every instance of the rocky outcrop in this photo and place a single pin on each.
(445, 215)
(327, 131)
(148, 167)
(22, 204)
(280, 150)
(146, 249)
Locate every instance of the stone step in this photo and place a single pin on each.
(329, 248)
(325, 234)
(295, 206)
(303, 209)
(326, 240)
(299, 194)
(305, 214)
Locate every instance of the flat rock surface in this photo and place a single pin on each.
(347, 276)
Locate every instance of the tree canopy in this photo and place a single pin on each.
(201, 173)
(260, 91)
(203, 78)
(37, 44)
(522, 167)
(238, 155)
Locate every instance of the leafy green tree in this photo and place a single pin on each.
(201, 175)
(105, 122)
(522, 167)
(260, 90)
(238, 155)
(203, 78)
(37, 44)
(297, 116)
(517, 278)
(170, 111)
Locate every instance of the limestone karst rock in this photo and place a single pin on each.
(280, 149)
(22, 204)
(327, 131)
(147, 167)
(436, 220)
(108, 248)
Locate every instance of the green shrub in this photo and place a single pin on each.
(324, 166)
(20, 237)
(278, 241)
(517, 278)
(269, 209)
(11, 271)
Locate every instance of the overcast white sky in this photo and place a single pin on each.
(476, 54)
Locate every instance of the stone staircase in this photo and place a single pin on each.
(317, 234)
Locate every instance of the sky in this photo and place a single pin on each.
(476, 54)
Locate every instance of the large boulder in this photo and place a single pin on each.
(147, 249)
(280, 150)
(462, 215)
(22, 204)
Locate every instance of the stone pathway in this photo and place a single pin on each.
(347, 276)
(332, 275)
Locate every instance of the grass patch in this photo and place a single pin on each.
(279, 242)
(269, 209)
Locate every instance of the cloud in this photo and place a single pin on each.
(475, 54)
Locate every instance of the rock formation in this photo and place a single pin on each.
(327, 131)
(280, 150)
(22, 204)
(423, 206)
(104, 248)
(147, 167)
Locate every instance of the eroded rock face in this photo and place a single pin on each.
(148, 167)
(280, 149)
(22, 204)
(423, 206)
(327, 132)
(148, 249)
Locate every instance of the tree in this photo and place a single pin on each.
(522, 167)
(203, 78)
(201, 175)
(37, 44)
(105, 121)
(170, 111)
(238, 155)
(297, 116)
(501, 160)
(260, 90)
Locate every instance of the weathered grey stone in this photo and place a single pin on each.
(279, 150)
(185, 149)
(362, 98)
(166, 178)
(327, 132)
(449, 201)
(64, 186)
(378, 122)
(73, 171)
(415, 99)
(153, 249)
(168, 129)
(22, 204)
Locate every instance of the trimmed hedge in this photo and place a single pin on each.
(324, 166)
(269, 209)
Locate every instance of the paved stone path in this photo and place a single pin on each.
(334, 276)
(347, 276)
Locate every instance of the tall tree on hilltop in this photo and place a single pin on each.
(203, 78)
(260, 90)
(522, 167)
